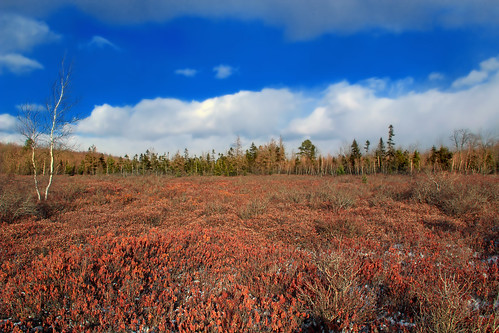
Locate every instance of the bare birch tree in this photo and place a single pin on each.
(49, 127)
(29, 126)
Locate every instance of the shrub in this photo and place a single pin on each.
(445, 307)
(254, 208)
(15, 205)
(337, 294)
(331, 197)
(454, 197)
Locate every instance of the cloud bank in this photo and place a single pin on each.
(331, 118)
(300, 19)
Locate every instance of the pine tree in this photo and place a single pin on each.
(355, 155)
(391, 154)
(390, 143)
(380, 153)
(307, 149)
(366, 146)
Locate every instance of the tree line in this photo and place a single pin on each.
(469, 153)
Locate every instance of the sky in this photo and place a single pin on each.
(166, 75)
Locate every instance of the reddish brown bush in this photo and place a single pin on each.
(246, 254)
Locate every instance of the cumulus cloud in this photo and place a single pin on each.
(187, 72)
(101, 42)
(223, 71)
(247, 113)
(331, 118)
(301, 19)
(18, 64)
(351, 111)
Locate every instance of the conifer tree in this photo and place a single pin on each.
(307, 149)
(380, 153)
(366, 146)
(355, 155)
(391, 149)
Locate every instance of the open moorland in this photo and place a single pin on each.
(251, 254)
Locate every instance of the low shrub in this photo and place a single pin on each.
(338, 294)
(15, 205)
(454, 197)
(332, 197)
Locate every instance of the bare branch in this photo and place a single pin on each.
(54, 125)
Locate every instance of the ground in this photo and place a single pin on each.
(253, 253)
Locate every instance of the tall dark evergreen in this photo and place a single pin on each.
(390, 142)
(366, 146)
(390, 153)
(380, 154)
(355, 156)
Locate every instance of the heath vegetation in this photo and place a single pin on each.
(251, 253)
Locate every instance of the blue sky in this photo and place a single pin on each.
(168, 75)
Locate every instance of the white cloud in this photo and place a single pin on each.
(301, 19)
(187, 72)
(435, 76)
(207, 124)
(223, 71)
(487, 69)
(18, 64)
(474, 77)
(348, 111)
(490, 65)
(18, 33)
(101, 42)
(7, 123)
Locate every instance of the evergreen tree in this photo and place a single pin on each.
(391, 154)
(416, 160)
(402, 160)
(390, 143)
(308, 150)
(440, 159)
(355, 155)
(251, 155)
(380, 153)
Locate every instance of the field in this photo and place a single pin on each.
(251, 254)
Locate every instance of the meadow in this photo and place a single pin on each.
(284, 253)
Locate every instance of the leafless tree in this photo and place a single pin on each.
(49, 127)
(460, 138)
(29, 126)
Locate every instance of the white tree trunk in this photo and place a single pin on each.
(52, 137)
(34, 172)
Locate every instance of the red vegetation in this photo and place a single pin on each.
(251, 254)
